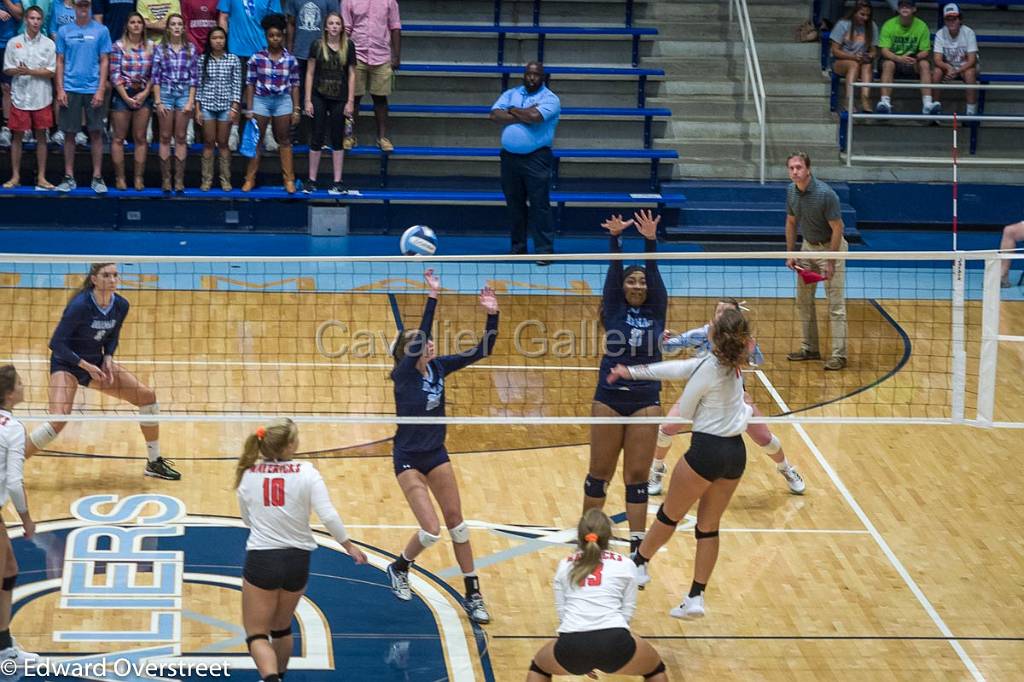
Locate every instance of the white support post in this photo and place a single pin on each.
(959, 342)
(989, 341)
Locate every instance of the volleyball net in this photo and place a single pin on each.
(311, 338)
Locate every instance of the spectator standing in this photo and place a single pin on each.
(305, 26)
(529, 114)
(956, 54)
(854, 41)
(218, 104)
(242, 20)
(30, 61)
(175, 78)
(61, 14)
(376, 29)
(114, 15)
(10, 20)
(906, 43)
(131, 104)
(812, 207)
(330, 83)
(201, 16)
(155, 13)
(83, 63)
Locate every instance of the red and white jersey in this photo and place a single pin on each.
(276, 498)
(605, 599)
(12, 460)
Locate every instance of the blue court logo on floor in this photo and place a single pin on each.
(134, 588)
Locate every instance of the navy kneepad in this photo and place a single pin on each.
(594, 487)
(700, 535)
(636, 493)
(534, 668)
(277, 634)
(252, 638)
(657, 671)
(10, 582)
(663, 517)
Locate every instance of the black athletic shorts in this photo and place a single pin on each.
(715, 457)
(277, 569)
(604, 650)
(628, 403)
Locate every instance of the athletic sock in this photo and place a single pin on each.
(153, 450)
(402, 564)
(783, 465)
(636, 538)
(696, 589)
(927, 100)
(472, 582)
(639, 559)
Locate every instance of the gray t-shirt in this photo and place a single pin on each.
(309, 22)
(854, 43)
(813, 209)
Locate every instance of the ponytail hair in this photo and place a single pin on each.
(87, 283)
(268, 442)
(731, 339)
(592, 536)
(8, 380)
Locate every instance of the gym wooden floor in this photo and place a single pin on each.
(810, 587)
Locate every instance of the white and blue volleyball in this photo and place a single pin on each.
(418, 240)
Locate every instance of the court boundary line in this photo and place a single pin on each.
(853, 638)
(922, 599)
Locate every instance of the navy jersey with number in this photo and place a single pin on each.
(87, 331)
(632, 333)
(423, 396)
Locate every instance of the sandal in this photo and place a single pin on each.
(10, 184)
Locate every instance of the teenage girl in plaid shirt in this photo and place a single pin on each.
(220, 87)
(131, 75)
(272, 94)
(175, 71)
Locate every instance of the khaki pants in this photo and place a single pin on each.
(836, 301)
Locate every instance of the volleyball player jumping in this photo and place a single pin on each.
(83, 346)
(698, 339)
(711, 469)
(12, 463)
(275, 497)
(595, 595)
(633, 308)
(420, 458)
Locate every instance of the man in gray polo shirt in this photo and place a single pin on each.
(813, 207)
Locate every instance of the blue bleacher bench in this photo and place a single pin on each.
(541, 32)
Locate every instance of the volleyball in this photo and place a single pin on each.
(418, 240)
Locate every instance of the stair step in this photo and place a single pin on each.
(740, 233)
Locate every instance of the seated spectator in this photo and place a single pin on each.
(330, 85)
(272, 94)
(854, 48)
(175, 64)
(956, 54)
(131, 104)
(1011, 235)
(30, 62)
(83, 63)
(217, 104)
(906, 42)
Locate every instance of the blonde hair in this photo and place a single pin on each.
(268, 442)
(593, 523)
(325, 53)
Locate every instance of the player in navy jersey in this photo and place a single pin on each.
(699, 340)
(633, 308)
(420, 457)
(82, 354)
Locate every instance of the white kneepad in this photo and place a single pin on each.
(459, 533)
(664, 440)
(153, 409)
(773, 446)
(42, 436)
(427, 539)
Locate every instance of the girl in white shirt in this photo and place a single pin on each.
(275, 495)
(595, 596)
(711, 469)
(12, 464)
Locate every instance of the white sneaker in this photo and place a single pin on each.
(269, 143)
(400, 583)
(932, 109)
(794, 479)
(5, 137)
(190, 135)
(149, 134)
(658, 470)
(233, 139)
(28, 137)
(81, 139)
(20, 657)
(477, 610)
(58, 138)
(690, 609)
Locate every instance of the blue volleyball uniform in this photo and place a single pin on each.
(421, 446)
(632, 335)
(87, 332)
(699, 340)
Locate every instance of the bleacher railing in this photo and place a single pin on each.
(851, 117)
(752, 79)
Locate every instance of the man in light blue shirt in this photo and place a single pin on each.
(529, 115)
